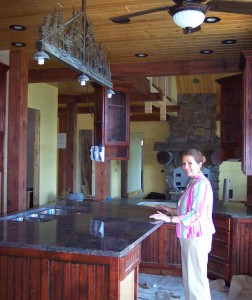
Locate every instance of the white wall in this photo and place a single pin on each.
(44, 98)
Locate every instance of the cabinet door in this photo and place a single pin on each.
(246, 63)
(161, 252)
(231, 116)
(116, 131)
(171, 254)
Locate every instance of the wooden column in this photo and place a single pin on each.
(3, 71)
(17, 131)
(71, 144)
(102, 170)
(67, 157)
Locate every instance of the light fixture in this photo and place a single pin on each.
(211, 20)
(18, 44)
(40, 56)
(109, 93)
(17, 27)
(229, 42)
(83, 79)
(72, 42)
(141, 54)
(206, 51)
(188, 14)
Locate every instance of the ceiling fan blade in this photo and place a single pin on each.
(126, 18)
(235, 7)
(188, 30)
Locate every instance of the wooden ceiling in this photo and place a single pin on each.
(170, 52)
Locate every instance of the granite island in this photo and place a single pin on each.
(74, 250)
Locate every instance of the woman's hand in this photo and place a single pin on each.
(165, 208)
(161, 217)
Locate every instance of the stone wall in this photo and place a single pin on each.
(193, 127)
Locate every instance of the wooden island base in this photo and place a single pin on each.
(35, 274)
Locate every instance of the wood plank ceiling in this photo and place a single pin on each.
(170, 52)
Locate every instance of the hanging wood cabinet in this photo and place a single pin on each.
(112, 123)
(246, 66)
(231, 116)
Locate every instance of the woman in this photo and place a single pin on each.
(194, 226)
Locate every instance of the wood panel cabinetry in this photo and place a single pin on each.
(231, 250)
(230, 254)
(231, 116)
(219, 257)
(161, 252)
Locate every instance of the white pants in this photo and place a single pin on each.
(194, 255)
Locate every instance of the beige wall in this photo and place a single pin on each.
(154, 179)
(44, 98)
(238, 181)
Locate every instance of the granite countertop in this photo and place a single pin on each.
(232, 209)
(106, 228)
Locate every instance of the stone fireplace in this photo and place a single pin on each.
(193, 127)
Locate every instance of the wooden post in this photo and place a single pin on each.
(17, 131)
(67, 157)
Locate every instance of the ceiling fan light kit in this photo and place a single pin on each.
(188, 18)
(188, 15)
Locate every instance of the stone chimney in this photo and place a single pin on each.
(194, 127)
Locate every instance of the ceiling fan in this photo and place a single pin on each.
(190, 14)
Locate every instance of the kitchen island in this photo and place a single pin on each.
(74, 250)
(231, 248)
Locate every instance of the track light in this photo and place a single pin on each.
(83, 79)
(109, 93)
(40, 56)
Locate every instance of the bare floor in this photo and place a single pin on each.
(157, 287)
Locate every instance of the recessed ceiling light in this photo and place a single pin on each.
(212, 20)
(18, 44)
(206, 51)
(229, 42)
(141, 55)
(17, 27)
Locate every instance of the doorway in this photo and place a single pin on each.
(132, 169)
(33, 155)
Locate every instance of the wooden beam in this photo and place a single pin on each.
(85, 98)
(146, 117)
(173, 68)
(51, 75)
(141, 109)
(144, 98)
(80, 110)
